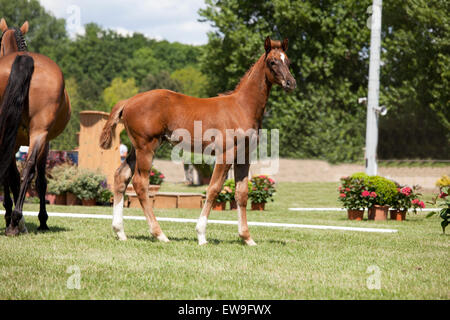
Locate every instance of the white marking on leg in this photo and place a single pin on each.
(201, 230)
(117, 223)
(162, 237)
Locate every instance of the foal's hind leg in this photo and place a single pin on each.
(41, 186)
(122, 178)
(144, 157)
(11, 183)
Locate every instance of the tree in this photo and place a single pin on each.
(119, 90)
(160, 81)
(192, 80)
(328, 47)
(45, 29)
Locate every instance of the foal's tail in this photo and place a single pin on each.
(14, 99)
(110, 125)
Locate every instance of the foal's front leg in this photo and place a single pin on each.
(241, 196)
(217, 180)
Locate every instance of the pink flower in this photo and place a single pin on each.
(415, 201)
(421, 204)
(406, 191)
(161, 176)
(365, 193)
(342, 195)
(271, 181)
(442, 195)
(152, 173)
(373, 194)
(347, 189)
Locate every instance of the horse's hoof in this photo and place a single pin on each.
(162, 237)
(43, 227)
(12, 231)
(202, 243)
(250, 242)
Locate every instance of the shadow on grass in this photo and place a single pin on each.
(211, 241)
(33, 229)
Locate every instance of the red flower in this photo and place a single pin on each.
(415, 201)
(373, 194)
(421, 204)
(365, 193)
(152, 173)
(443, 195)
(347, 189)
(161, 176)
(406, 191)
(342, 195)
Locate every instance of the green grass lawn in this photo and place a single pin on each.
(286, 264)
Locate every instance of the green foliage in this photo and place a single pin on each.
(89, 185)
(443, 200)
(193, 82)
(119, 90)
(61, 179)
(328, 49)
(156, 176)
(262, 190)
(350, 193)
(161, 80)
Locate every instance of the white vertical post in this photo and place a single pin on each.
(374, 86)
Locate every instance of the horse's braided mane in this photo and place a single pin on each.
(20, 40)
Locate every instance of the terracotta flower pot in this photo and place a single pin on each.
(71, 199)
(51, 198)
(60, 199)
(398, 215)
(154, 188)
(88, 202)
(258, 206)
(355, 214)
(233, 205)
(378, 212)
(219, 206)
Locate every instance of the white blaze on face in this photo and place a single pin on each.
(282, 57)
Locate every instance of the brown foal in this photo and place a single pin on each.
(34, 109)
(155, 115)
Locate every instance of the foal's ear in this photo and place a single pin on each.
(24, 27)
(268, 44)
(284, 45)
(3, 25)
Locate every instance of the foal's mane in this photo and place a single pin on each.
(244, 78)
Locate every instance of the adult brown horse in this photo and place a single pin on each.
(152, 116)
(34, 109)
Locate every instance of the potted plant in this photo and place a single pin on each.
(351, 196)
(379, 193)
(88, 186)
(262, 190)
(442, 200)
(156, 178)
(60, 182)
(229, 187)
(405, 199)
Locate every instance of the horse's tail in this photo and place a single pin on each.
(14, 99)
(110, 125)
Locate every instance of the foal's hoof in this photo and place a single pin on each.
(43, 227)
(250, 242)
(162, 237)
(12, 231)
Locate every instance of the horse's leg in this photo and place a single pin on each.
(122, 178)
(11, 184)
(41, 186)
(241, 196)
(218, 177)
(37, 146)
(144, 157)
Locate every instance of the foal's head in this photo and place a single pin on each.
(277, 64)
(12, 39)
